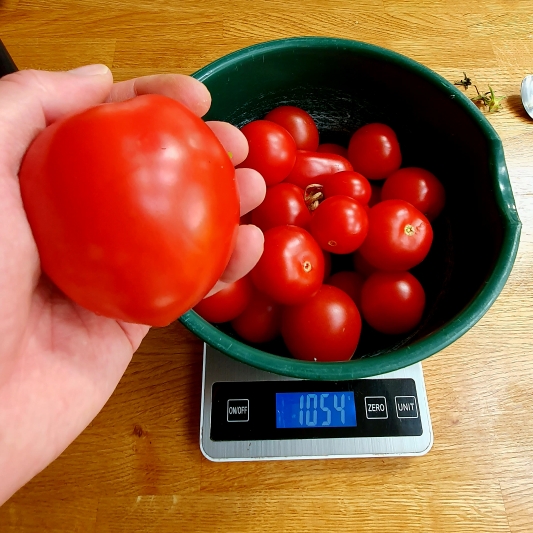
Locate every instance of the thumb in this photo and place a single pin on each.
(32, 99)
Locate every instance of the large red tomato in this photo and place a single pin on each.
(133, 207)
(374, 151)
(298, 123)
(272, 150)
(399, 236)
(292, 265)
(326, 327)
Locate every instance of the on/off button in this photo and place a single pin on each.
(238, 410)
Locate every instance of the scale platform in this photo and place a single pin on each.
(248, 414)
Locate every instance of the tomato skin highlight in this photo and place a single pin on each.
(308, 166)
(260, 321)
(227, 303)
(347, 183)
(272, 150)
(133, 207)
(284, 204)
(298, 123)
(399, 236)
(374, 151)
(326, 327)
(339, 224)
(418, 187)
(291, 268)
(392, 302)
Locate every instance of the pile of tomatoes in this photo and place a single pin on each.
(323, 202)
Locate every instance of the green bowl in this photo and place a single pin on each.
(344, 84)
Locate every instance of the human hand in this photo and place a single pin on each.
(59, 363)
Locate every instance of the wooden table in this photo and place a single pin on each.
(138, 466)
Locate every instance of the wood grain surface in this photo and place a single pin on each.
(138, 466)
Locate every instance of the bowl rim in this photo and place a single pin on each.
(441, 337)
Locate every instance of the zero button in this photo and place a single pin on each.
(376, 407)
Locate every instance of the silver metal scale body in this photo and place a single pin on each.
(248, 414)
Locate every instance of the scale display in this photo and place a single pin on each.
(312, 409)
(250, 414)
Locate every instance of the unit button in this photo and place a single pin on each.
(376, 407)
(406, 407)
(238, 410)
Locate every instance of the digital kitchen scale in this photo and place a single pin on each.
(248, 414)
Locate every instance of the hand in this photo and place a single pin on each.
(59, 363)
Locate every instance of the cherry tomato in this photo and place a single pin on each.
(362, 266)
(327, 264)
(392, 302)
(133, 207)
(331, 148)
(339, 224)
(326, 327)
(298, 123)
(418, 187)
(375, 197)
(291, 268)
(272, 150)
(227, 303)
(260, 321)
(399, 236)
(309, 165)
(347, 183)
(350, 282)
(283, 204)
(374, 151)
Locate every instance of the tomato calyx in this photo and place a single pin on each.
(313, 195)
(409, 230)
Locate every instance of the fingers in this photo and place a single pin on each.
(32, 99)
(29, 100)
(184, 89)
(248, 250)
(252, 188)
(251, 185)
(232, 139)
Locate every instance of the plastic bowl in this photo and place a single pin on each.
(344, 84)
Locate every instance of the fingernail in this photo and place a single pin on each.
(90, 70)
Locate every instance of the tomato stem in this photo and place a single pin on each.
(313, 195)
(307, 266)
